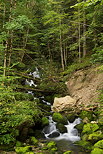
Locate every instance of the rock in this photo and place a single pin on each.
(79, 127)
(51, 145)
(71, 117)
(34, 141)
(85, 144)
(23, 149)
(88, 114)
(59, 118)
(63, 104)
(45, 121)
(54, 134)
(90, 128)
(67, 152)
(99, 144)
(96, 136)
(97, 151)
(61, 128)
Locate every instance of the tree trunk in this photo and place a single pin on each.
(79, 36)
(25, 43)
(61, 50)
(84, 33)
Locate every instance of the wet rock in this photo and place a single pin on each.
(59, 118)
(61, 128)
(45, 121)
(54, 134)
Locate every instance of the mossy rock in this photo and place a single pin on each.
(38, 134)
(23, 150)
(90, 128)
(85, 144)
(45, 121)
(57, 117)
(96, 136)
(67, 152)
(85, 137)
(97, 151)
(88, 114)
(71, 117)
(29, 152)
(61, 128)
(79, 127)
(99, 144)
(34, 141)
(54, 149)
(19, 144)
(100, 119)
(51, 145)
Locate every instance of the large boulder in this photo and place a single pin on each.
(66, 103)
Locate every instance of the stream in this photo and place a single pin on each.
(65, 141)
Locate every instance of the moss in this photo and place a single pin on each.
(67, 152)
(90, 128)
(99, 144)
(79, 127)
(97, 151)
(61, 128)
(54, 149)
(96, 136)
(34, 141)
(18, 144)
(57, 117)
(51, 145)
(71, 117)
(23, 150)
(38, 134)
(88, 114)
(29, 152)
(85, 137)
(45, 121)
(85, 144)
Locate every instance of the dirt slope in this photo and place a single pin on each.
(85, 85)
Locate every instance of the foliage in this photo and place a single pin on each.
(77, 66)
(97, 57)
(14, 112)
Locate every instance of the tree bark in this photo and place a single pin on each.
(79, 36)
(84, 32)
(61, 50)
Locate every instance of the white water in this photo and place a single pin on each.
(71, 135)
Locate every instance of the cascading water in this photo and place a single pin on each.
(65, 141)
(71, 135)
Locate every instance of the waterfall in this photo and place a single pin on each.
(51, 131)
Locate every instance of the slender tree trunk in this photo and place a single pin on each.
(79, 36)
(84, 33)
(25, 43)
(50, 55)
(11, 35)
(61, 51)
(65, 55)
(61, 48)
